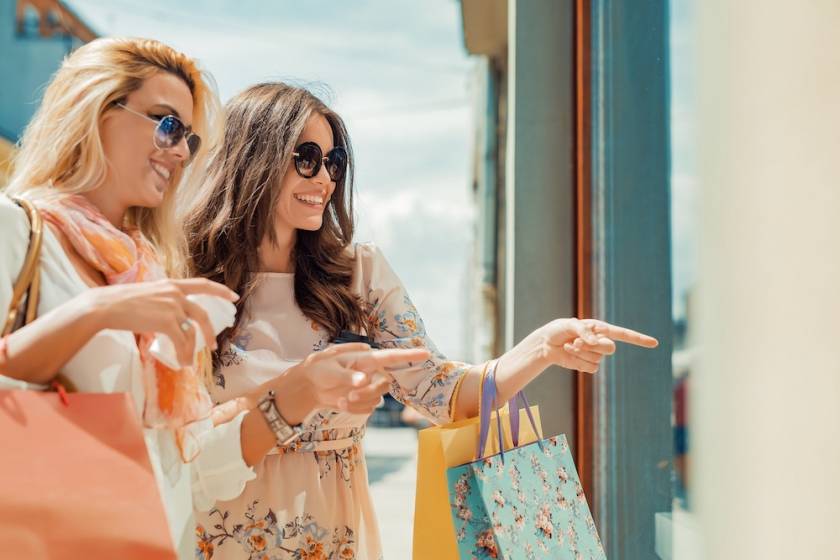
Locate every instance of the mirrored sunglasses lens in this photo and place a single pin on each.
(336, 163)
(307, 159)
(169, 132)
(193, 143)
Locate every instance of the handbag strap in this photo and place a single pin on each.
(28, 283)
(518, 402)
(487, 399)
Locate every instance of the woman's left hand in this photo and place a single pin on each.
(580, 344)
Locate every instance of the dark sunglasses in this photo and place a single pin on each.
(309, 158)
(169, 132)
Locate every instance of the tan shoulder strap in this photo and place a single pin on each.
(28, 283)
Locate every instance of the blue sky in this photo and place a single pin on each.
(396, 70)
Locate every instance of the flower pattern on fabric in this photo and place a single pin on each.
(344, 461)
(234, 354)
(406, 329)
(529, 500)
(330, 516)
(262, 538)
(323, 337)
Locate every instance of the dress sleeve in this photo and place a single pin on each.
(14, 233)
(219, 472)
(429, 387)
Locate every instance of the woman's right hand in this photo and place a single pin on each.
(158, 307)
(348, 377)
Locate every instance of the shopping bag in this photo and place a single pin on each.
(526, 503)
(439, 448)
(75, 476)
(76, 481)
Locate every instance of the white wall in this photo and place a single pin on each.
(766, 400)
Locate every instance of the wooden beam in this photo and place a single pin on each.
(54, 18)
(584, 433)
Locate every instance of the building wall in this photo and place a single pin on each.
(6, 150)
(539, 189)
(26, 65)
(524, 188)
(765, 399)
(536, 260)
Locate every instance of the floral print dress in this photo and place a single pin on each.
(311, 500)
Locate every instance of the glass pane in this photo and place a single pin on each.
(683, 231)
(679, 526)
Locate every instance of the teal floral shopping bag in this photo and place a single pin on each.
(523, 504)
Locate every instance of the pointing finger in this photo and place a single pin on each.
(624, 335)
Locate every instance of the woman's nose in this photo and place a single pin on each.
(323, 176)
(181, 151)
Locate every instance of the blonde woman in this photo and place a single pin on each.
(102, 160)
(275, 223)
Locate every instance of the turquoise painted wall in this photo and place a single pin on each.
(26, 65)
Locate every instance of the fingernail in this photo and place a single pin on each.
(358, 378)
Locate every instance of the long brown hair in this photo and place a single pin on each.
(235, 210)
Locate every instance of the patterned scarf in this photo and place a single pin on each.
(174, 398)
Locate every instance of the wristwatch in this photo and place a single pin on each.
(283, 431)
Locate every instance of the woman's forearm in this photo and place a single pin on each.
(344, 377)
(293, 400)
(37, 352)
(257, 438)
(515, 369)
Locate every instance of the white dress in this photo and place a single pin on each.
(110, 363)
(311, 500)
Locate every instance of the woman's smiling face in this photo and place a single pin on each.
(302, 200)
(139, 173)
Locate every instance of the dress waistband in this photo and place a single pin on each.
(305, 444)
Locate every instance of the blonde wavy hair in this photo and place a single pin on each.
(61, 150)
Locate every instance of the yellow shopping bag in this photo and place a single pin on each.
(439, 448)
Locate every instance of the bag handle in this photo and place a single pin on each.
(487, 401)
(518, 402)
(28, 283)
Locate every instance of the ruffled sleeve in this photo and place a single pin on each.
(219, 473)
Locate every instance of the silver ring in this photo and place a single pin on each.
(185, 325)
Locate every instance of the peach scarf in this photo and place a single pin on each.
(173, 398)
